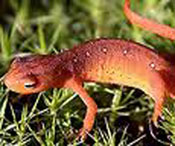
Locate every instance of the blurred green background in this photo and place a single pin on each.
(50, 118)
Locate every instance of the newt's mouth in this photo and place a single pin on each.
(11, 82)
(8, 82)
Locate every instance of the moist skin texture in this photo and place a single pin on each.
(102, 60)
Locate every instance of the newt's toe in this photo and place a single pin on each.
(155, 120)
(82, 134)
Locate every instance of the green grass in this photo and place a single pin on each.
(53, 117)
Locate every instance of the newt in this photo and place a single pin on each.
(113, 61)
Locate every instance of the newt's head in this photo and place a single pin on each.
(25, 76)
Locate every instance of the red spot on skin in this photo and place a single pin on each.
(125, 52)
(152, 65)
(87, 54)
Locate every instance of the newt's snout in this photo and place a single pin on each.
(8, 81)
(12, 82)
(17, 81)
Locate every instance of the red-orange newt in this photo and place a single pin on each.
(113, 61)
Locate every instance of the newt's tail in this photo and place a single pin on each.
(160, 29)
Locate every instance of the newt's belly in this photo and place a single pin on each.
(123, 72)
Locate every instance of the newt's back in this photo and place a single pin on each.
(119, 61)
(102, 60)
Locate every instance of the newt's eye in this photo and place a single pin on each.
(29, 85)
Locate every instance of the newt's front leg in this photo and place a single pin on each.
(88, 122)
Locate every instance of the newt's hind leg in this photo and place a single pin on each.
(157, 110)
(158, 92)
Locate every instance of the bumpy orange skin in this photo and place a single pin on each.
(102, 60)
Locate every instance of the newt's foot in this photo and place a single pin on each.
(82, 134)
(154, 120)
